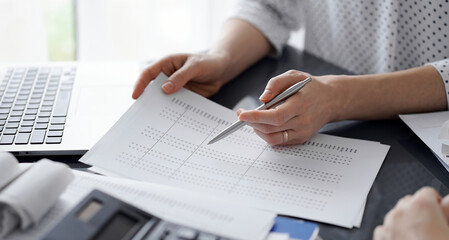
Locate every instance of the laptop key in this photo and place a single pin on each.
(54, 134)
(10, 131)
(4, 110)
(48, 103)
(8, 100)
(27, 123)
(29, 117)
(62, 104)
(3, 116)
(43, 120)
(58, 120)
(36, 95)
(41, 126)
(49, 98)
(35, 101)
(18, 108)
(22, 138)
(44, 114)
(53, 140)
(5, 105)
(31, 111)
(2, 122)
(56, 127)
(25, 129)
(33, 106)
(12, 125)
(21, 102)
(7, 139)
(14, 119)
(45, 108)
(16, 114)
(38, 136)
(22, 97)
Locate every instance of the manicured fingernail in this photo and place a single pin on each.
(168, 87)
(265, 95)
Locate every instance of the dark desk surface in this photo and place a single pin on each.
(408, 166)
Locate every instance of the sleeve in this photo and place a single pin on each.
(274, 18)
(443, 68)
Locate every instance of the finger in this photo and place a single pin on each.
(271, 138)
(379, 233)
(445, 205)
(404, 200)
(276, 116)
(239, 111)
(428, 193)
(179, 78)
(146, 77)
(267, 128)
(279, 83)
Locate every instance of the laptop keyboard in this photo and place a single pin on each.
(34, 104)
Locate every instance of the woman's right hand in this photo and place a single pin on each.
(201, 73)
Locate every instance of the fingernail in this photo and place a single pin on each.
(265, 95)
(243, 117)
(168, 87)
(239, 111)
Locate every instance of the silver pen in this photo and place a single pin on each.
(279, 99)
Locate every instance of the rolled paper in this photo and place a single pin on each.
(9, 168)
(36, 191)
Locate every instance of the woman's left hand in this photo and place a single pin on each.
(300, 116)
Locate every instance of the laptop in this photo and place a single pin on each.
(62, 108)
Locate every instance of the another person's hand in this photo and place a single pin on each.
(423, 215)
(201, 73)
(301, 115)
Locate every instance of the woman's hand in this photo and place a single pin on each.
(201, 73)
(301, 115)
(423, 215)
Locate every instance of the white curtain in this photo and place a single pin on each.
(23, 35)
(147, 29)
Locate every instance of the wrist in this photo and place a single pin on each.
(341, 97)
(224, 61)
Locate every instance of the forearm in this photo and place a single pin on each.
(242, 45)
(382, 96)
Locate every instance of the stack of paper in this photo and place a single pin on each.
(428, 127)
(163, 139)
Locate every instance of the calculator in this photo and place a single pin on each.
(100, 216)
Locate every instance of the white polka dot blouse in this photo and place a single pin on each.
(364, 37)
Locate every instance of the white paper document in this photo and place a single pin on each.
(179, 206)
(163, 139)
(429, 127)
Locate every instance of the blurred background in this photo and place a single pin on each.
(98, 30)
